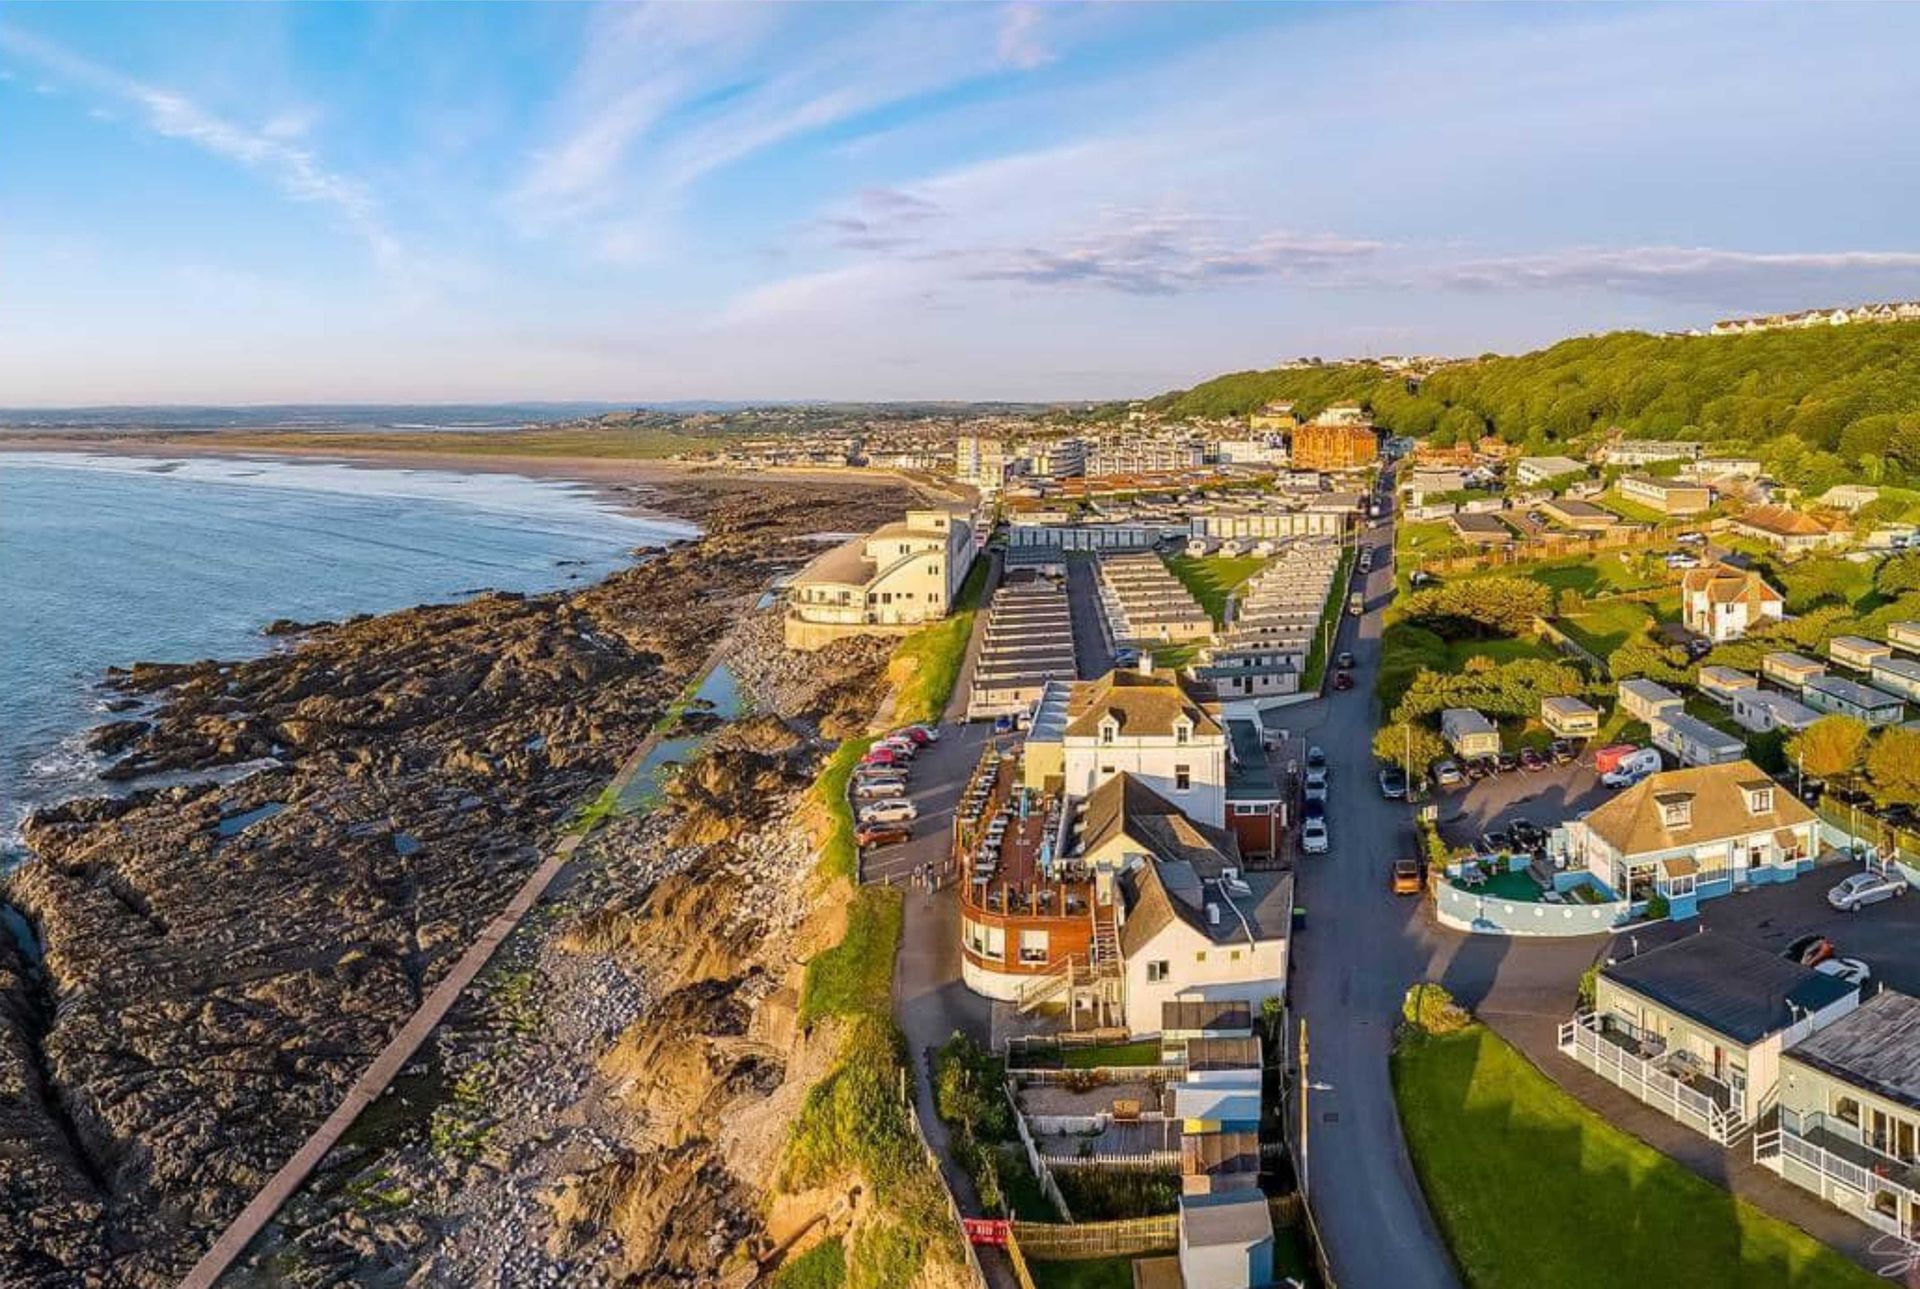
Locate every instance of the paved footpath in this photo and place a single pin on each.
(232, 1242)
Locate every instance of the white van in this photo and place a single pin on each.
(1635, 768)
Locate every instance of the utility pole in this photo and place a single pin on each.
(1304, 1085)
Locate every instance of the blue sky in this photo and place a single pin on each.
(247, 203)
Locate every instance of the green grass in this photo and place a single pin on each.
(856, 975)
(1211, 579)
(1499, 651)
(596, 812)
(824, 1266)
(840, 854)
(927, 663)
(1172, 657)
(1145, 1052)
(1605, 625)
(1330, 613)
(1531, 1188)
(1633, 510)
(1084, 1273)
(1425, 539)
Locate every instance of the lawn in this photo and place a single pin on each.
(1083, 1273)
(1605, 625)
(1335, 606)
(1635, 511)
(1500, 651)
(1210, 579)
(1146, 1052)
(1531, 1188)
(926, 665)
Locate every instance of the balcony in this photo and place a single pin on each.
(1672, 1082)
(1853, 1166)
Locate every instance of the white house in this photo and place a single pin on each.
(1145, 724)
(1724, 603)
(889, 582)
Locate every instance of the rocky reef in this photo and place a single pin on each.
(221, 959)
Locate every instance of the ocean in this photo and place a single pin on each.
(108, 560)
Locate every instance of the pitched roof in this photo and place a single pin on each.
(1145, 706)
(1727, 985)
(1632, 823)
(1783, 521)
(1237, 1218)
(1725, 585)
(1876, 1048)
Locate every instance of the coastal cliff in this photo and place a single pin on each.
(220, 961)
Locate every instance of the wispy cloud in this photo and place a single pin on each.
(1163, 254)
(270, 151)
(1661, 270)
(1020, 42)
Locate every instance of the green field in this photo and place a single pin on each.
(1499, 651)
(1083, 1273)
(926, 665)
(1604, 626)
(1531, 1188)
(1210, 579)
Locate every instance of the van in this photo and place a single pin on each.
(1633, 768)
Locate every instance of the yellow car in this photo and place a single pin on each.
(1406, 877)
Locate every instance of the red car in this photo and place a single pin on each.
(883, 756)
(883, 835)
(1343, 680)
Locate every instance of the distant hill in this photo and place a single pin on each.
(1820, 406)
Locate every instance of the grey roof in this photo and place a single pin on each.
(1876, 1048)
(1201, 1014)
(1205, 1054)
(1727, 985)
(1237, 1218)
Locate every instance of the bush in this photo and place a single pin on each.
(968, 1090)
(1658, 909)
(1430, 1009)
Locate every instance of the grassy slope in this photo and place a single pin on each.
(1532, 1189)
(1212, 578)
(927, 663)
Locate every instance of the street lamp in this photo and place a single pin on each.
(1306, 1085)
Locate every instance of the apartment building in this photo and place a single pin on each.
(1668, 496)
(889, 582)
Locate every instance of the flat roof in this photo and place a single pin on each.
(1849, 692)
(1727, 985)
(1237, 1218)
(1876, 1047)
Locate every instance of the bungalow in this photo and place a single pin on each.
(1469, 733)
(1897, 676)
(1481, 530)
(1724, 603)
(1838, 697)
(1904, 635)
(1692, 741)
(1695, 834)
(1528, 471)
(1582, 516)
(1695, 1028)
(1722, 684)
(1789, 530)
(1763, 711)
(1791, 670)
(1668, 496)
(1849, 1128)
(1643, 700)
(1857, 652)
(1569, 717)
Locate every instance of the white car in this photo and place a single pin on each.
(1851, 970)
(1863, 889)
(876, 789)
(1317, 785)
(888, 812)
(1313, 837)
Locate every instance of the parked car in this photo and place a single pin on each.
(876, 789)
(1530, 759)
(1316, 758)
(918, 735)
(1343, 680)
(888, 812)
(1313, 808)
(1691, 539)
(1343, 659)
(1406, 877)
(1507, 762)
(1681, 560)
(1496, 842)
(881, 773)
(1808, 950)
(1393, 783)
(1313, 837)
(1851, 970)
(1562, 751)
(883, 835)
(1479, 768)
(1526, 834)
(882, 755)
(1316, 789)
(1446, 774)
(906, 747)
(1862, 889)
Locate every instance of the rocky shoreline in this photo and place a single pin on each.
(221, 960)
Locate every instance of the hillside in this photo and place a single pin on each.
(1819, 406)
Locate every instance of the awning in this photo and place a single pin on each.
(1787, 839)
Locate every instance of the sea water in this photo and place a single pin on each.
(108, 560)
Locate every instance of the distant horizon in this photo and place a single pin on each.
(386, 204)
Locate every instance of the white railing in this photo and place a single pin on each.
(1859, 1179)
(1581, 1039)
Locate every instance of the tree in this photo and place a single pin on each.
(1897, 575)
(1830, 748)
(1648, 659)
(1412, 746)
(1893, 767)
(1506, 605)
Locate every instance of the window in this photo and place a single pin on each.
(1033, 946)
(1201, 956)
(1234, 956)
(1107, 732)
(1759, 801)
(1156, 971)
(1183, 733)
(1847, 1110)
(1182, 777)
(1106, 772)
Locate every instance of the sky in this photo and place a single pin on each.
(648, 202)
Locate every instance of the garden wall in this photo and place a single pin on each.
(1465, 910)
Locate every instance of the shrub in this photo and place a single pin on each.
(1430, 1009)
(1658, 909)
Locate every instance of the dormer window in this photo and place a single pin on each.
(1183, 731)
(1675, 811)
(1109, 730)
(1759, 801)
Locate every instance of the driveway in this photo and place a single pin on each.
(1352, 962)
(1543, 797)
(1092, 653)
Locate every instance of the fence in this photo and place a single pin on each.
(1092, 1077)
(1581, 1039)
(1566, 644)
(1148, 1161)
(977, 1276)
(1066, 1242)
(1466, 910)
(1037, 1162)
(1561, 546)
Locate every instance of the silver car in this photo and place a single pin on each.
(1863, 889)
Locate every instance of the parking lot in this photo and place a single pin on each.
(1543, 797)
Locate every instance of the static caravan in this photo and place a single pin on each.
(1838, 697)
(1762, 711)
(1791, 669)
(1897, 676)
(1643, 700)
(1469, 733)
(1904, 635)
(1692, 741)
(1722, 684)
(1857, 652)
(1569, 717)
